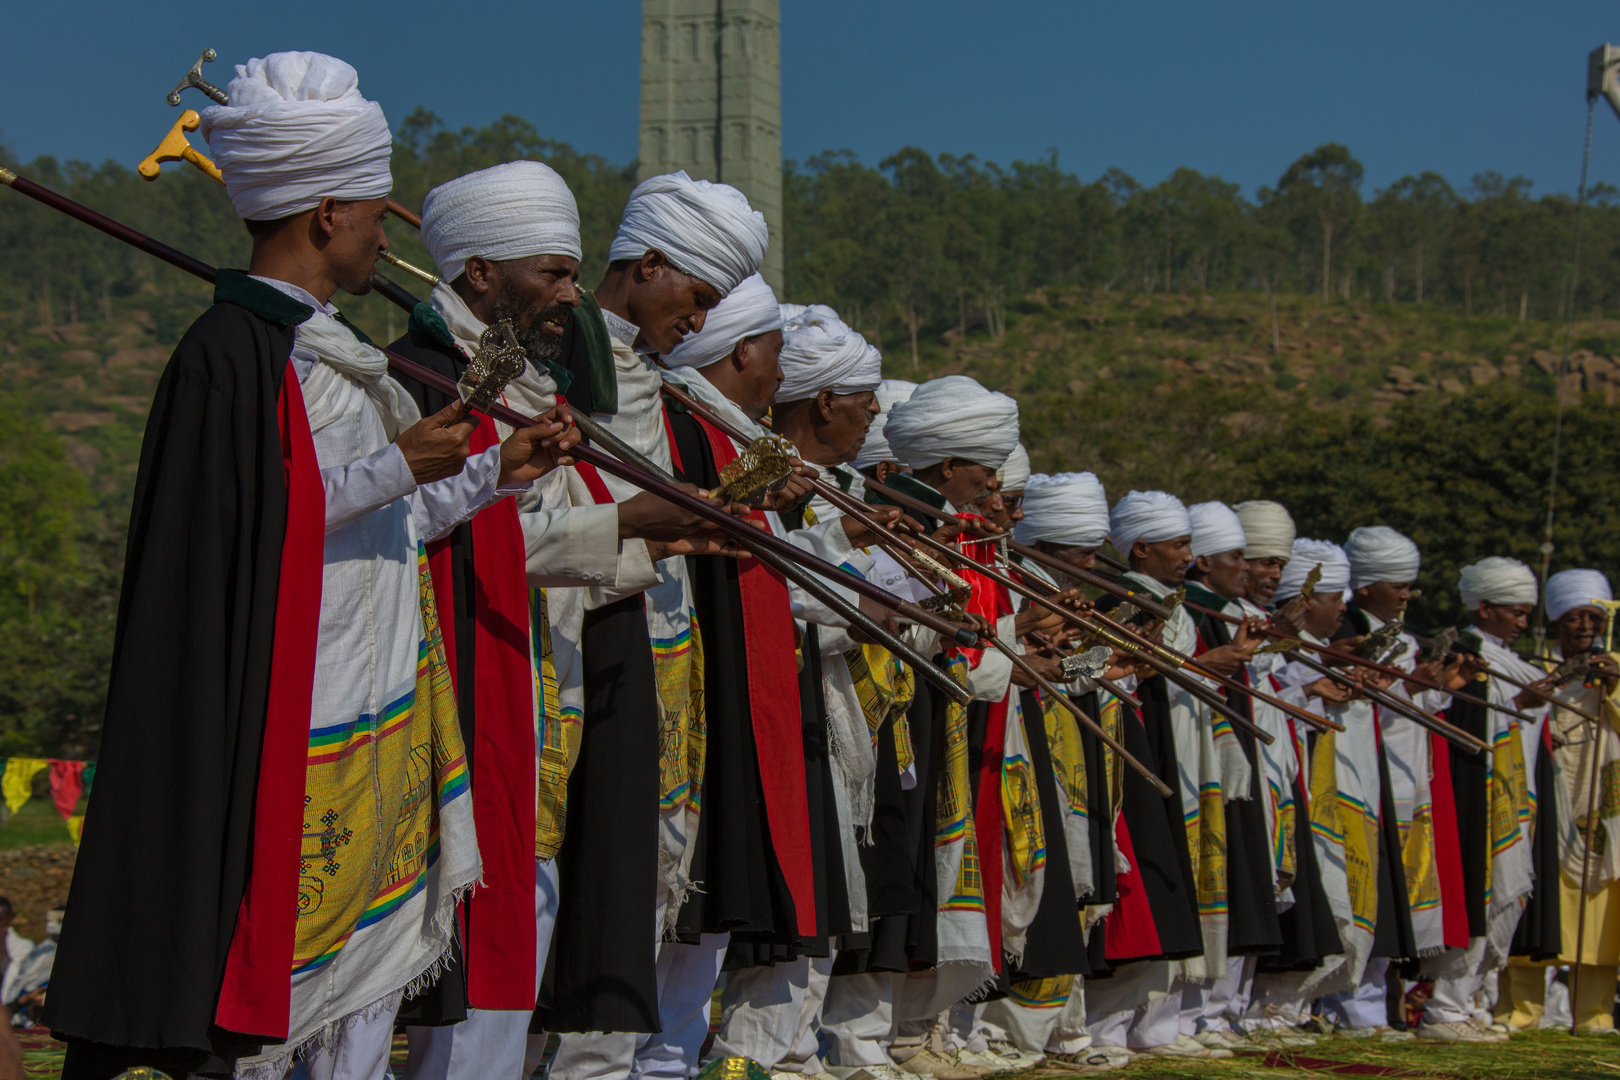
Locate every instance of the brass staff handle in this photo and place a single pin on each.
(176, 147)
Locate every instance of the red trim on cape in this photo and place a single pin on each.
(1131, 933)
(255, 997)
(1447, 846)
(773, 699)
(499, 915)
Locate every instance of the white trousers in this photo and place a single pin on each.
(358, 1052)
(686, 978)
(1367, 1005)
(1215, 1001)
(492, 1043)
(772, 1014)
(1028, 1029)
(858, 1018)
(1458, 979)
(1138, 1006)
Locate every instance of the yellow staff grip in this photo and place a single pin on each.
(176, 147)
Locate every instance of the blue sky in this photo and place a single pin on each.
(1239, 90)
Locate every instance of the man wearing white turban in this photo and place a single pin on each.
(1383, 572)
(953, 434)
(1589, 880)
(1499, 593)
(276, 607)
(506, 240)
(683, 245)
(1065, 515)
(1152, 530)
(875, 456)
(1363, 886)
(1269, 532)
(1240, 913)
(774, 996)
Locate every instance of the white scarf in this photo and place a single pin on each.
(345, 359)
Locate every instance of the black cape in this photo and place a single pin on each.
(167, 837)
(1251, 898)
(740, 887)
(1055, 943)
(600, 974)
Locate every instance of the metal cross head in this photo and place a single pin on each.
(764, 465)
(194, 78)
(1312, 579)
(1379, 640)
(1396, 651)
(1440, 645)
(1089, 664)
(500, 359)
(1279, 645)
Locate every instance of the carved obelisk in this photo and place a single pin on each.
(711, 100)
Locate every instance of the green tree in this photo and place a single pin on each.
(1322, 190)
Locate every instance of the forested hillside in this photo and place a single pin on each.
(1363, 356)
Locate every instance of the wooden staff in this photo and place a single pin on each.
(858, 511)
(1173, 660)
(1362, 661)
(747, 536)
(1141, 599)
(1495, 672)
(1450, 732)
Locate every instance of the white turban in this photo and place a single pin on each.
(1268, 529)
(1309, 554)
(953, 417)
(748, 311)
(707, 230)
(1496, 580)
(1068, 509)
(511, 211)
(1215, 528)
(822, 352)
(1150, 516)
(1379, 553)
(1570, 589)
(890, 392)
(295, 132)
(1014, 472)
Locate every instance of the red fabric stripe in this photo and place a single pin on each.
(1131, 932)
(500, 913)
(773, 699)
(1447, 845)
(987, 822)
(256, 994)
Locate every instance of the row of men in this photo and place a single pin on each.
(414, 719)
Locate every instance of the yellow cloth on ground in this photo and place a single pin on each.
(17, 782)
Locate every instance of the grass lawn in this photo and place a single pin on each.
(36, 823)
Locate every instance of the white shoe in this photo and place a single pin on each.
(927, 1062)
(868, 1072)
(1219, 1040)
(1454, 1031)
(990, 1063)
(1186, 1046)
(1104, 1059)
(1020, 1059)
